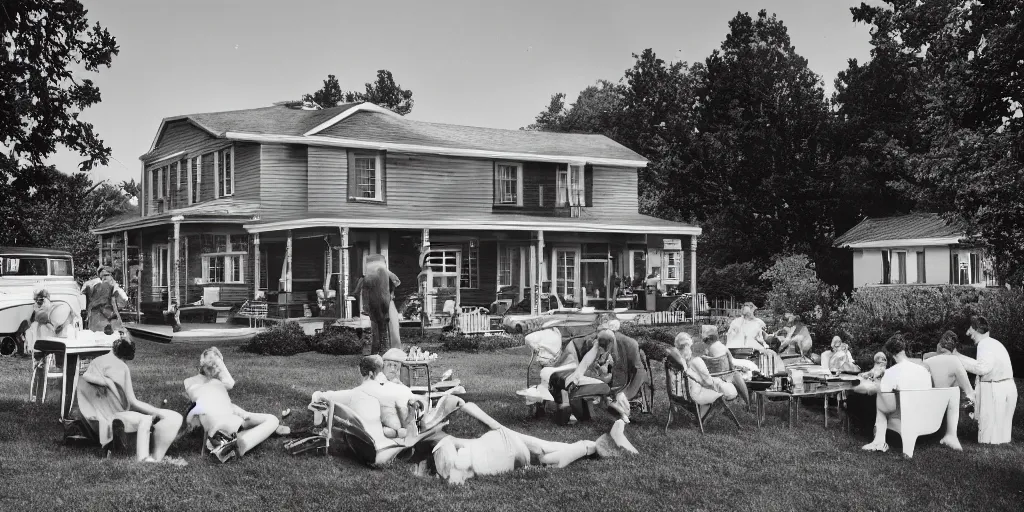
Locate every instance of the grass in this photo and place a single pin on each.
(774, 468)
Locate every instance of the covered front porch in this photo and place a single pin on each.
(304, 270)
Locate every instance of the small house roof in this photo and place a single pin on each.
(913, 229)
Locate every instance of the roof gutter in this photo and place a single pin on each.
(317, 140)
(256, 227)
(900, 242)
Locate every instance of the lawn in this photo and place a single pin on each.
(808, 468)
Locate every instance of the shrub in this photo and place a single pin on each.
(460, 343)
(339, 341)
(283, 339)
(1004, 310)
(795, 288)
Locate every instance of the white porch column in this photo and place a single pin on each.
(693, 275)
(534, 286)
(124, 263)
(99, 245)
(425, 304)
(175, 298)
(541, 274)
(288, 264)
(255, 265)
(344, 305)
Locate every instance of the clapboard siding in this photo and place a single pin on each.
(181, 136)
(328, 171)
(247, 171)
(615, 190)
(283, 179)
(206, 183)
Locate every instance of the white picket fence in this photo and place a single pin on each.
(474, 322)
(660, 318)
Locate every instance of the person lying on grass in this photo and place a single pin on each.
(230, 430)
(905, 375)
(106, 397)
(502, 450)
(399, 406)
(704, 389)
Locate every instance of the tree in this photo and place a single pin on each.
(596, 110)
(383, 92)
(40, 96)
(968, 161)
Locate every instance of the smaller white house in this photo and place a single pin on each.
(920, 248)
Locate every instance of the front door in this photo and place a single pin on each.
(594, 278)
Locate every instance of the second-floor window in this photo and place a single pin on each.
(195, 177)
(367, 177)
(570, 187)
(159, 181)
(508, 184)
(226, 173)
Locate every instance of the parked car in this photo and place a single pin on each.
(24, 269)
(518, 319)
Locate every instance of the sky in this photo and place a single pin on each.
(478, 63)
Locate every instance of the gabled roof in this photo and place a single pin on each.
(913, 229)
(368, 126)
(225, 209)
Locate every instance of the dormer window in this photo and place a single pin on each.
(508, 184)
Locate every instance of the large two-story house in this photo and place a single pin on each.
(279, 202)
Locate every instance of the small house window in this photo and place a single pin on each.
(227, 172)
(508, 184)
(672, 267)
(195, 177)
(367, 178)
(571, 191)
(224, 258)
(470, 276)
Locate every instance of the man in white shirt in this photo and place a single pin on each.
(996, 392)
(902, 376)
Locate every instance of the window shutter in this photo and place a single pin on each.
(351, 175)
(199, 178)
(588, 185)
(497, 192)
(206, 269)
(216, 170)
(383, 171)
(232, 171)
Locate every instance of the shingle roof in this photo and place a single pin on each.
(223, 209)
(273, 120)
(903, 227)
(376, 127)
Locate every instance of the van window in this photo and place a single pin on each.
(29, 266)
(61, 267)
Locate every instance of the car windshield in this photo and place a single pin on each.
(35, 266)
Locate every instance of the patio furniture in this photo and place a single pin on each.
(794, 395)
(72, 351)
(256, 311)
(921, 413)
(678, 390)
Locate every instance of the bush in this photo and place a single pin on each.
(283, 339)
(461, 343)
(795, 288)
(922, 314)
(338, 341)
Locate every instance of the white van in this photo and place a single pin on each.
(24, 269)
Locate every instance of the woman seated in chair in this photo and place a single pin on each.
(230, 430)
(703, 388)
(714, 348)
(502, 450)
(613, 353)
(106, 398)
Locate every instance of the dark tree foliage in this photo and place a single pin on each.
(384, 92)
(46, 46)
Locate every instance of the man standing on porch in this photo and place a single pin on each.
(996, 391)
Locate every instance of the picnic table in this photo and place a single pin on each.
(811, 388)
(72, 351)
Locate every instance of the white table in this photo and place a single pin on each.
(72, 351)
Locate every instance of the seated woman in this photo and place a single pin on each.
(704, 389)
(715, 348)
(839, 359)
(223, 421)
(546, 344)
(795, 338)
(502, 450)
(869, 380)
(107, 398)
